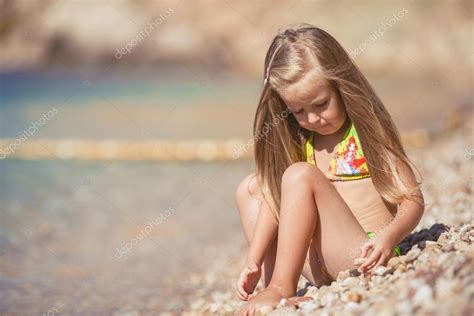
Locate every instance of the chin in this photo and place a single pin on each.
(325, 133)
(322, 130)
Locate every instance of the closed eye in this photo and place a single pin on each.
(322, 104)
(318, 105)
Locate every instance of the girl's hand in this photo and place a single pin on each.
(247, 281)
(378, 251)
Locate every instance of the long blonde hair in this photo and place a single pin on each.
(290, 56)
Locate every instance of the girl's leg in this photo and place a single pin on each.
(249, 205)
(311, 211)
(314, 268)
(310, 201)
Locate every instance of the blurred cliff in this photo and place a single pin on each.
(227, 35)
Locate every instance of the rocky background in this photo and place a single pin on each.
(228, 35)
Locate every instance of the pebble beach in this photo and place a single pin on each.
(434, 275)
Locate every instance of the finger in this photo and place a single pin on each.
(371, 266)
(244, 296)
(365, 250)
(239, 295)
(372, 258)
(381, 261)
(242, 292)
(374, 261)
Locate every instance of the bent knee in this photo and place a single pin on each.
(247, 188)
(300, 173)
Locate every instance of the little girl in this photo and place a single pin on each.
(332, 183)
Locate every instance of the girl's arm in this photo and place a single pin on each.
(408, 215)
(265, 231)
(409, 212)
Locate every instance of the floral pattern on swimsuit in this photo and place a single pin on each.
(348, 162)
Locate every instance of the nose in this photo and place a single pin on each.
(313, 118)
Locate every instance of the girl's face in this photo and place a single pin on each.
(315, 104)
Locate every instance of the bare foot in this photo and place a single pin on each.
(268, 297)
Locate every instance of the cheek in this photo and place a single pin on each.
(336, 112)
(302, 122)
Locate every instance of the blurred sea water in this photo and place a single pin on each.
(62, 224)
(122, 104)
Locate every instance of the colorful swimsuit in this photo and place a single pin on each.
(348, 162)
